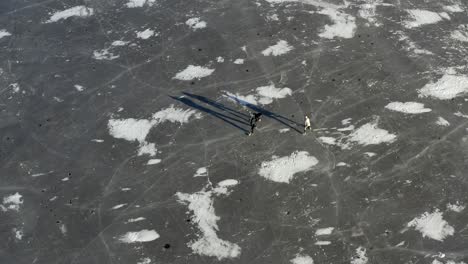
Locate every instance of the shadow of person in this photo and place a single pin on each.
(218, 105)
(232, 121)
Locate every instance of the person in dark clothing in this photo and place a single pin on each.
(254, 118)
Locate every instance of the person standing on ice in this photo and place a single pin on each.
(306, 124)
(254, 118)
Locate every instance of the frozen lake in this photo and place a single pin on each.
(123, 131)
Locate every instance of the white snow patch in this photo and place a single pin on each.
(264, 95)
(370, 134)
(370, 154)
(139, 3)
(342, 164)
(432, 225)
(421, 17)
(193, 72)
(222, 187)
(302, 259)
(12, 202)
(284, 130)
(360, 257)
(133, 220)
(408, 107)
(219, 59)
(145, 34)
(322, 243)
(228, 182)
(18, 233)
(448, 262)
(442, 121)
(418, 50)
(282, 169)
(15, 87)
(368, 11)
(324, 231)
(78, 11)
(460, 114)
(104, 54)
(444, 15)
(144, 235)
(144, 261)
(239, 61)
(273, 17)
(118, 206)
(268, 93)
(132, 129)
(280, 48)
(60, 100)
(153, 161)
(201, 172)
(208, 242)
(146, 148)
(447, 87)
(78, 87)
(65, 179)
(344, 25)
(195, 23)
(346, 121)
(455, 207)
(453, 8)
(4, 33)
(97, 140)
(119, 43)
(328, 140)
(461, 34)
(175, 115)
(63, 229)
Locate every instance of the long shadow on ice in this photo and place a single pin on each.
(230, 120)
(219, 106)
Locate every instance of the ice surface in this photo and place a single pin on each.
(124, 131)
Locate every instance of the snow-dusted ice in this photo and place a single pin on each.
(144, 235)
(280, 48)
(447, 87)
(282, 169)
(201, 205)
(193, 72)
(76, 11)
(432, 225)
(195, 23)
(125, 131)
(4, 33)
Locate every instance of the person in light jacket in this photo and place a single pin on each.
(307, 124)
